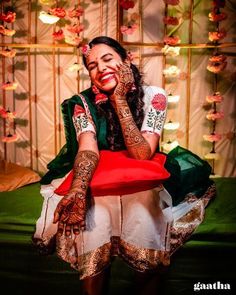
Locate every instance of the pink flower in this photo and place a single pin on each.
(212, 137)
(159, 102)
(214, 115)
(58, 11)
(77, 28)
(6, 32)
(128, 30)
(9, 85)
(217, 98)
(10, 138)
(78, 110)
(73, 39)
(216, 16)
(126, 4)
(58, 35)
(171, 2)
(216, 36)
(218, 58)
(171, 20)
(76, 12)
(3, 112)
(173, 40)
(216, 67)
(9, 17)
(8, 52)
(85, 50)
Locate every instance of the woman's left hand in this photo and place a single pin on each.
(126, 80)
(70, 213)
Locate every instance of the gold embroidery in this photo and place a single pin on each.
(88, 264)
(183, 228)
(142, 259)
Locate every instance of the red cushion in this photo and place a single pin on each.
(118, 174)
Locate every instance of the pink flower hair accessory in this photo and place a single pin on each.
(85, 49)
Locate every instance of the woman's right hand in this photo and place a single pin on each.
(126, 80)
(70, 213)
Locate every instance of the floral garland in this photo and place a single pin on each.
(70, 34)
(9, 117)
(170, 50)
(131, 22)
(216, 64)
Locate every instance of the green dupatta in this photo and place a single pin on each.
(63, 162)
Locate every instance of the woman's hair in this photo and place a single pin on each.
(134, 97)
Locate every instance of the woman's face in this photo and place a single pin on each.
(102, 64)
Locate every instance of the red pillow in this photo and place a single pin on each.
(118, 174)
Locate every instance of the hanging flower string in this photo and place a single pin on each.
(216, 64)
(171, 71)
(9, 118)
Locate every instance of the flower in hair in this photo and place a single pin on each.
(85, 50)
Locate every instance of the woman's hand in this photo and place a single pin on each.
(70, 213)
(126, 80)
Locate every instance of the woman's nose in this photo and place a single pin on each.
(101, 67)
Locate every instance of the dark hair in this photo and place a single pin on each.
(134, 98)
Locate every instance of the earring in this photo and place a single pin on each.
(99, 97)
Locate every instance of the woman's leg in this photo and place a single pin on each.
(97, 285)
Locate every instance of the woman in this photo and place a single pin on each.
(115, 114)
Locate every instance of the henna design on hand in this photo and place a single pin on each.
(71, 210)
(136, 144)
(126, 80)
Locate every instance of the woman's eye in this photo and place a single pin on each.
(107, 59)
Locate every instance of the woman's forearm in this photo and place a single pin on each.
(136, 144)
(84, 166)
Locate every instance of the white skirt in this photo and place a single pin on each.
(137, 227)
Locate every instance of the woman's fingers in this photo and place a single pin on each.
(60, 228)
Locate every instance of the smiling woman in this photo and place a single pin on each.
(119, 114)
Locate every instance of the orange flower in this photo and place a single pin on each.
(217, 58)
(173, 40)
(171, 20)
(6, 32)
(76, 12)
(128, 30)
(216, 67)
(216, 36)
(9, 85)
(8, 53)
(58, 35)
(213, 115)
(214, 98)
(58, 11)
(10, 138)
(212, 137)
(9, 17)
(216, 16)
